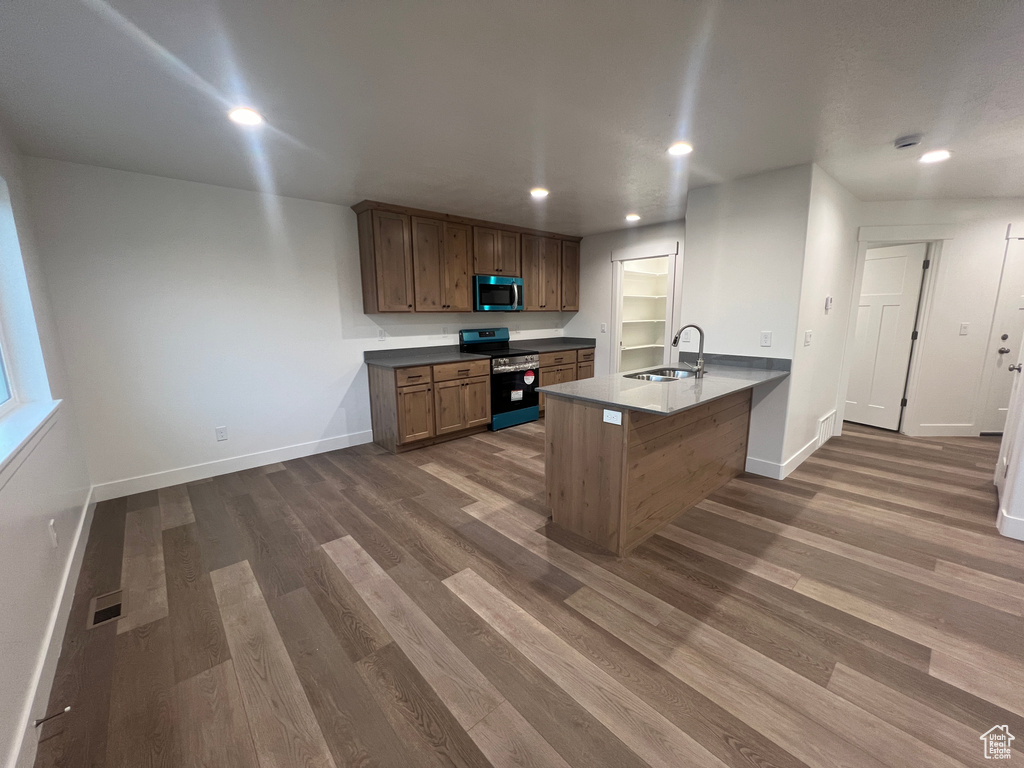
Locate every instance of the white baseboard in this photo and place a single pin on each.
(1010, 526)
(778, 471)
(117, 488)
(49, 652)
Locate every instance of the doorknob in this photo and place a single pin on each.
(1015, 367)
(1004, 350)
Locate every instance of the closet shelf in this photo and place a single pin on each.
(643, 346)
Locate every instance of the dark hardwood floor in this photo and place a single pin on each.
(359, 608)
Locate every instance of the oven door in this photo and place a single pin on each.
(513, 391)
(493, 293)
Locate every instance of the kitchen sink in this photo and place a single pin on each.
(661, 374)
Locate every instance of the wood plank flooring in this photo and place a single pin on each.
(357, 608)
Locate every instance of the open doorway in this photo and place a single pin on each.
(886, 321)
(643, 303)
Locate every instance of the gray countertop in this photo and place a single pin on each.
(663, 397)
(405, 358)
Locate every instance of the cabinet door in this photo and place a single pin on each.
(392, 247)
(570, 276)
(477, 401)
(565, 373)
(550, 279)
(545, 378)
(584, 370)
(458, 250)
(508, 254)
(427, 257)
(415, 413)
(532, 279)
(485, 251)
(449, 412)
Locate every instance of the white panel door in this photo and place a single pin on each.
(1014, 418)
(885, 322)
(1008, 322)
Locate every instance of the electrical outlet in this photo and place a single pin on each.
(766, 338)
(222, 434)
(686, 335)
(515, 329)
(604, 327)
(444, 331)
(381, 334)
(963, 328)
(807, 338)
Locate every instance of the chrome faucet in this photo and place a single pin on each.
(699, 367)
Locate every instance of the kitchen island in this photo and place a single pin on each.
(624, 456)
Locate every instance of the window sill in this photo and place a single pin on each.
(19, 428)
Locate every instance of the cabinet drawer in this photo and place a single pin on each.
(585, 355)
(417, 375)
(465, 370)
(557, 358)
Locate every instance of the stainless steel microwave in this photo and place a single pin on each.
(494, 293)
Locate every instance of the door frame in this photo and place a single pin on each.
(880, 237)
(671, 309)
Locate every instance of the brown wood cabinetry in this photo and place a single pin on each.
(424, 261)
(415, 413)
(385, 257)
(567, 365)
(416, 406)
(570, 276)
(541, 273)
(496, 252)
(441, 266)
(584, 371)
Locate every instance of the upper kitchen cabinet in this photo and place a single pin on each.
(385, 258)
(541, 273)
(570, 276)
(496, 252)
(441, 265)
(414, 260)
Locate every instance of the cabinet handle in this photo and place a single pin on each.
(417, 376)
(410, 306)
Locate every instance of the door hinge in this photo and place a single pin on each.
(903, 402)
(913, 336)
(927, 263)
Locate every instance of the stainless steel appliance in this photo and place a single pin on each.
(496, 293)
(514, 373)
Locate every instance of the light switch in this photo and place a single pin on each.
(686, 335)
(613, 417)
(807, 338)
(604, 327)
(963, 328)
(766, 338)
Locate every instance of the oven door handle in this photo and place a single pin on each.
(515, 296)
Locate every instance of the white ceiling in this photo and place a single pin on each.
(463, 105)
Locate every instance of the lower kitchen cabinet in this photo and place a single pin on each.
(567, 365)
(462, 405)
(420, 405)
(415, 413)
(584, 370)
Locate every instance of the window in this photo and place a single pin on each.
(5, 386)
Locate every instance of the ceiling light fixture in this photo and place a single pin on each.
(632, 217)
(246, 116)
(680, 148)
(539, 192)
(936, 156)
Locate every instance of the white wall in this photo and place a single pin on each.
(597, 276)
(46, 480)
(948, 386)
(184, 306)
(830, 263)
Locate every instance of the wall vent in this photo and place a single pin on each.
(826, 426)
(104, 608)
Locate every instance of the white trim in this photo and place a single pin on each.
(940, 430)
(129, 485)
(647, 250)
(49, 652)
(20, 431)
(905, 233)
(778, 471)
(1010, 526)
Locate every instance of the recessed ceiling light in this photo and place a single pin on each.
(539, 192)
(680, 148)
(245, 116)
(632, 217)
(936, 156)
